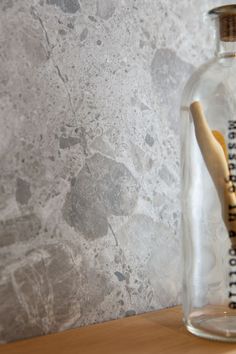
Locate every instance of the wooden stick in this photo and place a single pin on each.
(213, 149)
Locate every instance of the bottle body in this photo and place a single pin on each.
(208, 149)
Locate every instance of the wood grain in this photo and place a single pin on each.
(159, 332)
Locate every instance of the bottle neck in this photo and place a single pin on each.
(226, 43)
(226, 49)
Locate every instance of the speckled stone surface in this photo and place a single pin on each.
(89, 157)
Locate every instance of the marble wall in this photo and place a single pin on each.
(89, 157)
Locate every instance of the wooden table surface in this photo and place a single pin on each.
(159, 332)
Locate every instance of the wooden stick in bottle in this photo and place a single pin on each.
(212, 147)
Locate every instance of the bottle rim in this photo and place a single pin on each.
(225, 9)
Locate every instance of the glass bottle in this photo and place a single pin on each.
(208, 153)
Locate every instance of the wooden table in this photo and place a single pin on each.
(159, 332)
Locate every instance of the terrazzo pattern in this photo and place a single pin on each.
(89, 157)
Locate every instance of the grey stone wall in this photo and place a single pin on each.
(89, 158)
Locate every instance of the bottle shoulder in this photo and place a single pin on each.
(206, 79)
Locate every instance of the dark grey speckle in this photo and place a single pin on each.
(92, 18)
(70, 25)
(120, 276)
(130, 313)
(67, 6)
(62, 32)
(149, 140)
(83, 34)
(65, 143)
(23, 193)
(166, 176)
(20, 229)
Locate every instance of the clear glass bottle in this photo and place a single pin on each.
(208, 119)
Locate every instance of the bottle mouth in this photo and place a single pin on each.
(227, 22)
(223, 10)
